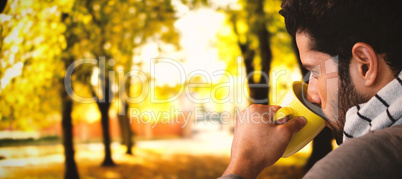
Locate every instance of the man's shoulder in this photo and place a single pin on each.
(374, 155)
(381, 142)
(388, 137)
(394, 130)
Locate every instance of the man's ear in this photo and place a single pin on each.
(365, 62)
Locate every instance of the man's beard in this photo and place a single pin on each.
(347, 98)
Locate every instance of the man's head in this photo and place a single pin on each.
(359, 41)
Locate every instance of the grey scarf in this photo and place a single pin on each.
(382, 111)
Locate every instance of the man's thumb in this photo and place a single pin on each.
(296, 123)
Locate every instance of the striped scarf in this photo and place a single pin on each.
(382, 111)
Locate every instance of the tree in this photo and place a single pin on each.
(32, 43)
(67, 127)
(124, 121)
(105, 29)
(67, 102)
(126, 132)
(104, 109)
(255, 48)
(116, 22)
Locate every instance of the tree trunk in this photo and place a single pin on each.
(259, 90)
(70, 167)
(248, 57)
(129, 133)
(265, 52)
(125, 129)
(67, 128)
(123, 133)
(103, 107)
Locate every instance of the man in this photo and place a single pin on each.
(353, 49)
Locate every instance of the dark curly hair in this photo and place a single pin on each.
(334, 26)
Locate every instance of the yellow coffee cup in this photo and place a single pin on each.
(294, 103)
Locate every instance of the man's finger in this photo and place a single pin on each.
(282, 120)
(275, 108)
(295, 124)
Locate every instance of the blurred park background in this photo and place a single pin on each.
(137, 88)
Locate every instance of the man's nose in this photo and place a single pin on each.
(312, 92)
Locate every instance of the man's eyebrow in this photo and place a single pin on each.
(308, 66)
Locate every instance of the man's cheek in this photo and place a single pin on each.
(330, 95)
(322, 88)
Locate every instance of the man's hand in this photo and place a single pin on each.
(258, 142)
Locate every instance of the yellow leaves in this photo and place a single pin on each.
(13, 36)
(31, 32)
(117, 28)
(62, 41)
(132, 10)
(242, 27)
(141, 17)
(65, 5)
(5, 18)
(11, 73)
(284, 67)
(38, 40)
(53, 25)
(257, 67)
(86, 19)
(107, 9)
(14, 49)
(111, 3)
(34, 35)
(96, 7)
(61, 28)
(86, 112)
(26, 3)
(272, 6)
(5, 109)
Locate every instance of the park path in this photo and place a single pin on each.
(202, 156)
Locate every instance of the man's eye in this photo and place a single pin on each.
(315, 74)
